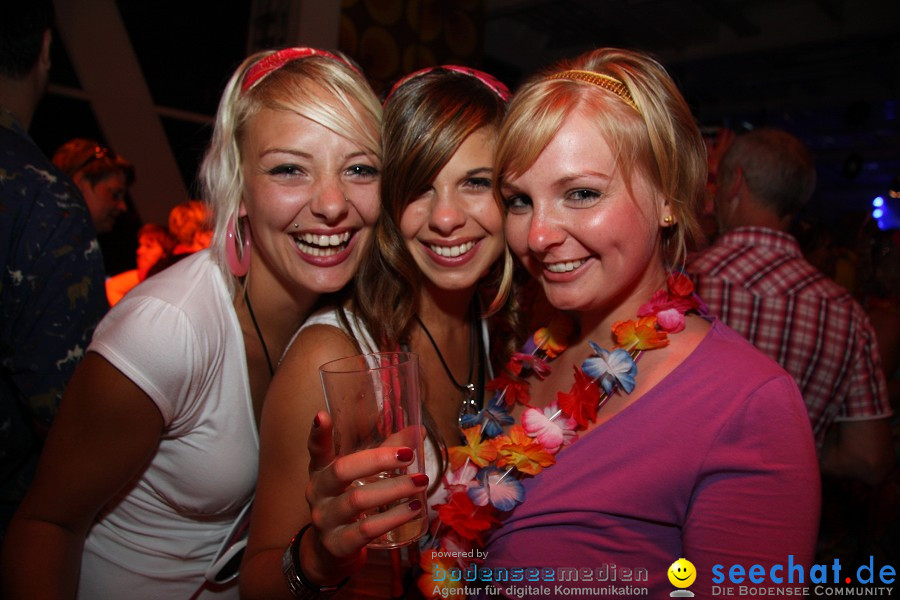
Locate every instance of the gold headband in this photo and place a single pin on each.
(606, 82)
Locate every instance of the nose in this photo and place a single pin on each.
(446, 213)
(544, 231)
(329, 201)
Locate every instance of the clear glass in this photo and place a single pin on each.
(374, 401)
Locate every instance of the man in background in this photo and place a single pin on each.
(755, 279)
(51, 268)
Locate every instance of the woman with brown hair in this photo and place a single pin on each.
(439, 268)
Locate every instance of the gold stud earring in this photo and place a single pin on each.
(668, 220)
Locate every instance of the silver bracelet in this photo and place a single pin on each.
(297, 583)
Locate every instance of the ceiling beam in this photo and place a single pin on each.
(101, 53)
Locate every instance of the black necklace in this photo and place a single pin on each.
(259, 333)
(471, 403)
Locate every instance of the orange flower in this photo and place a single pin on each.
(469, 521)
(477, 450)
(639, 335)
(553, 339)
(581, 401)
(522, 452)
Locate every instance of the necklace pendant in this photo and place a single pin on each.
(470, 405)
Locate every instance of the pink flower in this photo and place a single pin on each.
(657, 302)
(670, 320)
(522, 361)
(552, 434)
(461, 479)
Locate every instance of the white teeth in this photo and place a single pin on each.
(564, 267)
(322, 245)
(452, 251)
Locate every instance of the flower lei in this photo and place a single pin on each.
(484, 479)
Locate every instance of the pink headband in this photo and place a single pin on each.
(276, 60)
(492, 82)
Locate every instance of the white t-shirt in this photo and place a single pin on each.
(177, 337)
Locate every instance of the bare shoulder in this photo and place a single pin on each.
(316, 345)
(695, 330)
(297, 376)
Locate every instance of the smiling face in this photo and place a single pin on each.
(454, 230)
(310, 197)
(591, 240)
(682, 573)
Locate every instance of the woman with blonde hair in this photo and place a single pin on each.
(644, 432)
(154, 451)
(438, 270)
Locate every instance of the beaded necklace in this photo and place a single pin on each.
(483, 483)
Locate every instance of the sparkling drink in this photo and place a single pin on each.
(406, 533)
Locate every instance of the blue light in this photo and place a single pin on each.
(878, 202)
(877, 213)
(881, 225)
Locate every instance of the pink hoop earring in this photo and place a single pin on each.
(237, 266)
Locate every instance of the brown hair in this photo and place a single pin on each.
(94, 161)
(426, 119)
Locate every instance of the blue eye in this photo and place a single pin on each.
(366, 171)
(285, 170)
(583, 196)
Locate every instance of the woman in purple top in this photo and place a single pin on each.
(677, 438)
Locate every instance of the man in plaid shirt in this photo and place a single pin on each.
(755, 279)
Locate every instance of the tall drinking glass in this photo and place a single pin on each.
(373, 400)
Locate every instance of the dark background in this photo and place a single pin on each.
(825, 70)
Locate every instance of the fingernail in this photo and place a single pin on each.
(404, 454)
(420, 479)
(316, 422)
(415, 506)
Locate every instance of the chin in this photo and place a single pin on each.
(567, 302)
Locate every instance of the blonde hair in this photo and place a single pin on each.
(660, 139)
(321, 89)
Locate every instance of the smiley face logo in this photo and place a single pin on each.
(682, 573)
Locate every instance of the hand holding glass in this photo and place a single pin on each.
(373, 400)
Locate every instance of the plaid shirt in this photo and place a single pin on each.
(757, 281)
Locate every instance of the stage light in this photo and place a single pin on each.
(877, 213)
(878, 202)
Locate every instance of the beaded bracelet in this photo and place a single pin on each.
(297, 583)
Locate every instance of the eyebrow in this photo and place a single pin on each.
(570, 178)
(309, 156)
(479, 171)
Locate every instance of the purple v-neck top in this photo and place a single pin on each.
(715, 464)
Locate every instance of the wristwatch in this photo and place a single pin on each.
(297, 583)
